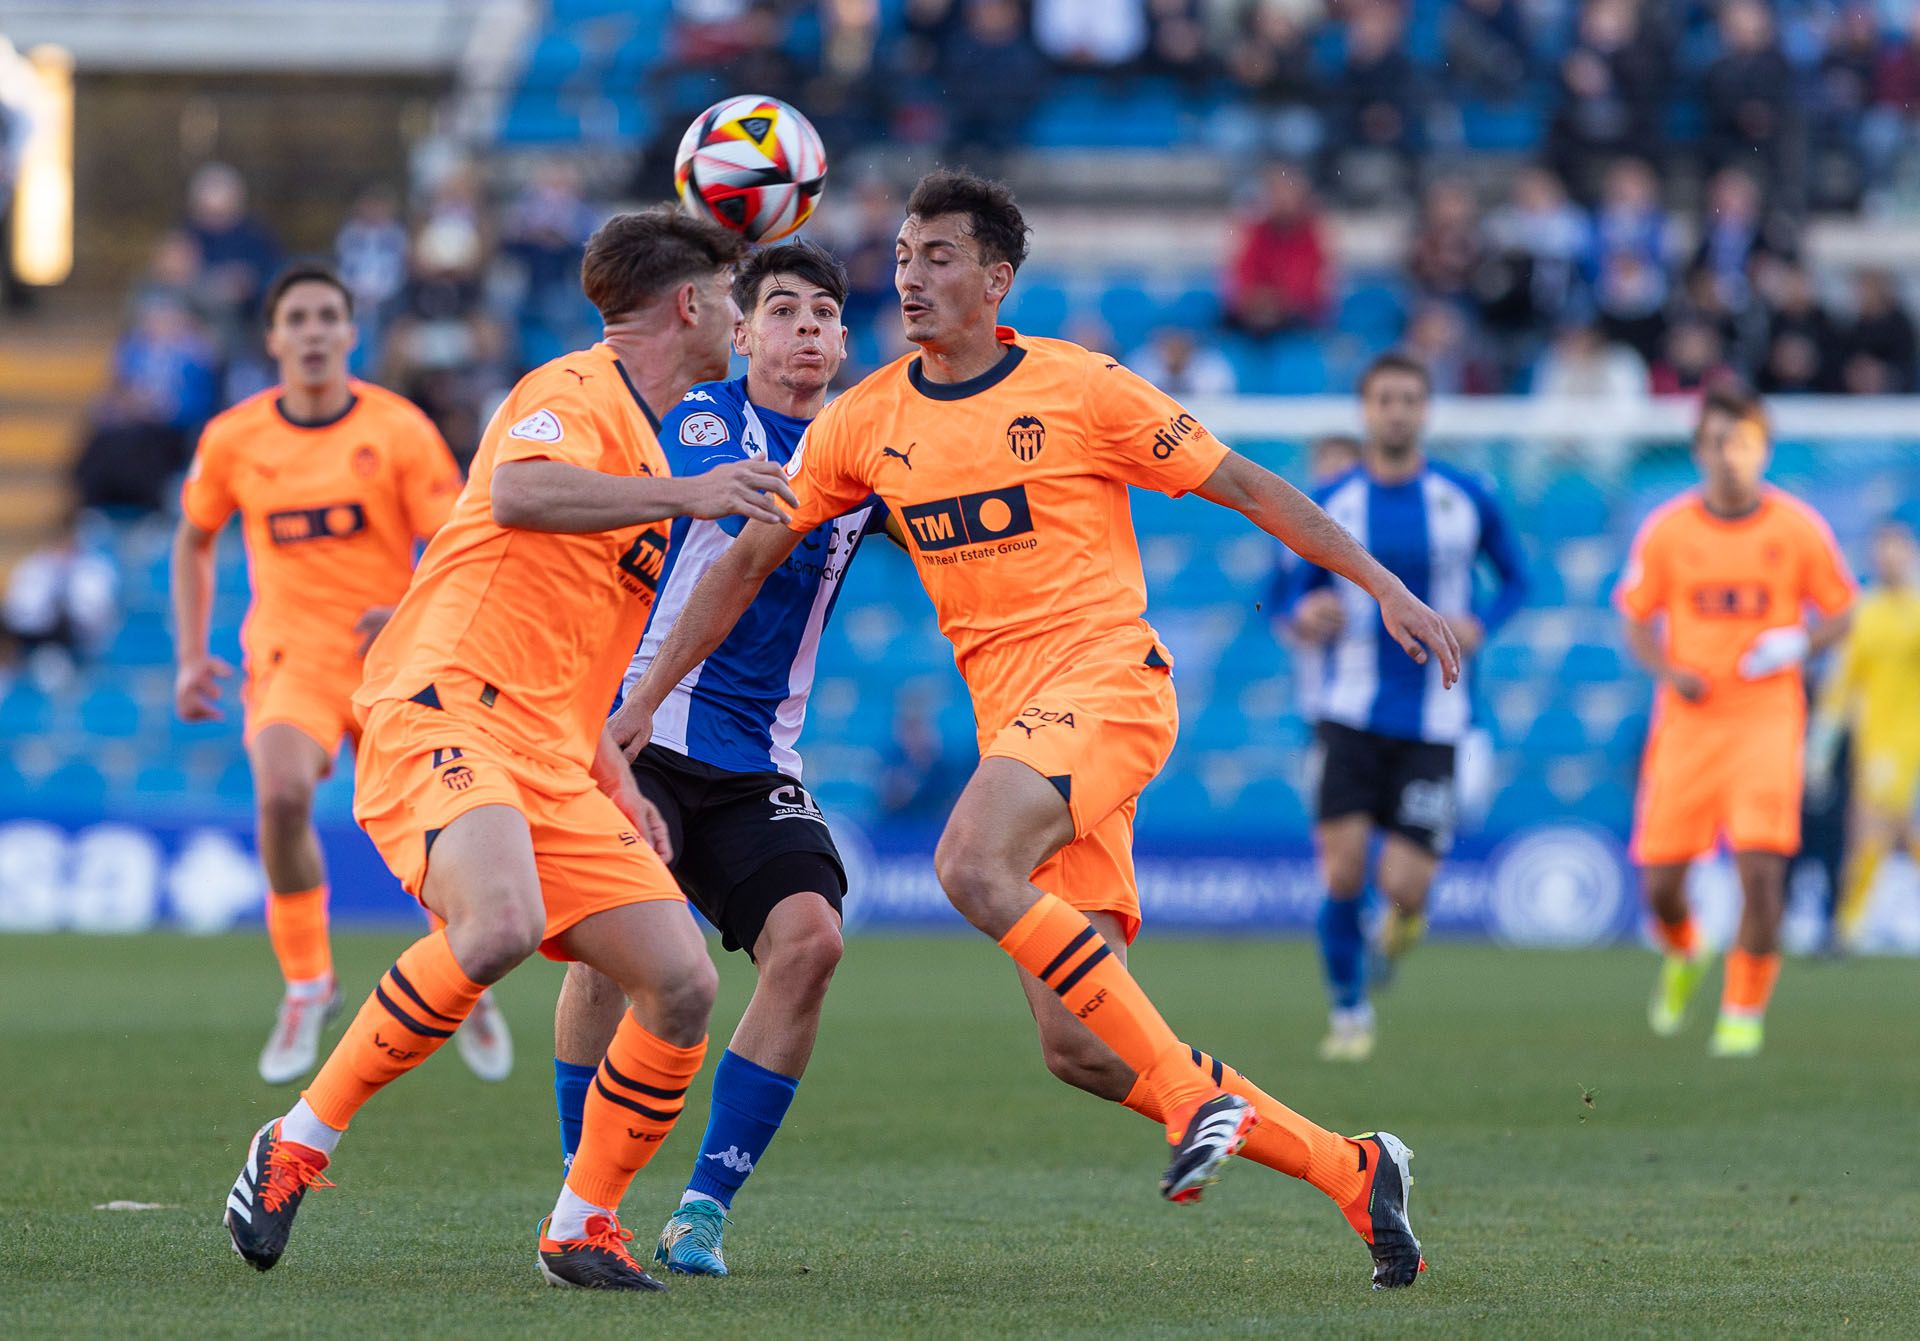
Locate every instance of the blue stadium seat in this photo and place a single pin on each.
(1372, 311)
(1297, 366)
(1592, 663)
(110, 712)
(1131, 313)
(24, 711)
(77, 785)
(1502, 127)
(1556, 732)
(1038, 308)
(143, 640)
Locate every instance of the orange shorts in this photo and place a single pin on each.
(318, 703)
(1704, 779)
(419, 769)
(1099, 733)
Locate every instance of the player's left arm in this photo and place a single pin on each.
(1828, 588)
(1292, 518)
(1502, 551)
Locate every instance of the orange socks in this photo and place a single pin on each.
(1749, 982)
(1283, 1140)
(637, 1094)
(297, 926)
(1057, 944)
(414, 1008)
(1677, 938)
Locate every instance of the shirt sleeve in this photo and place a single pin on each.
(699, 435)
(431, 480)
(1146, 437)
(551, 421)
(1829, 582)
(1643, 587)
(206, 498)
(820, 474)
(1502, 549)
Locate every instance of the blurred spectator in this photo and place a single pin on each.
(985, 115)
(1611, 84)
(1275, 107)
(1749, 93)
(1627, 265)
(237, 253)
(1177, 43)
(1839, 103)
(168, 361)
(1438, 336)
(1694, 358)
(1736, 234)
(1537, 242)
(1090, 34)
(1891, 127)
(130, 455)
(1445, 251)
(1180, 367)
(371, 251)
(61, 599)
(1379, 92)
(1879, 344)
(443, 346)
(543, 238)
(1278, 275)
(1487, 53)
(920, 778)
(1582, 364)
(173, 276)
(1801, 337)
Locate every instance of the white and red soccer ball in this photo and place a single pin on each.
(751, 164)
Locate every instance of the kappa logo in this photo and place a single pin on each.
(1026, 436)
(904, 458)
(540, 426)
(458, 778)
(703, 429)
(1178, 430)
(733, 1157)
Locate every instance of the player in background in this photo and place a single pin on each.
(1388, 730)
(1874, 694)
(1328, 458)
(1715, 598)
(1007, 460)
(485, 774)
(335, 481)
(752, 850)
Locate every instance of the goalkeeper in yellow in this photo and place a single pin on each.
(1874, 692)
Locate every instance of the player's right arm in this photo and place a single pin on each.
(541, 495)
(712, 609)
(206, 501)
(1641, 598)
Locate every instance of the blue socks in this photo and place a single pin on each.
(570, 1086)
(748, 1103)
(1343, 951)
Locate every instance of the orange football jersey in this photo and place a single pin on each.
(1721, 583)
(1012, 489)
(330, 513)
(527, 633)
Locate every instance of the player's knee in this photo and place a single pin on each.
(677, 1007)
(1344, 879)
(1086, 1065)
(593, 992)
(802, 963)
(285, 804)
(973, 875)
(491, 943)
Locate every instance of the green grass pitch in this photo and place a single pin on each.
(934, 1181)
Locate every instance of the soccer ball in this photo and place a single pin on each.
(751, 164)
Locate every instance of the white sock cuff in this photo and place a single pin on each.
(303, 1126)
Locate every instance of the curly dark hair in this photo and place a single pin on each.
(993, 218)
(808, 260)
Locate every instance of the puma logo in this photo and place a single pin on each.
(904, 458)
(580, 376)
(1027, 728)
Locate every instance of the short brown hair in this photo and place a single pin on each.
(1394, 361)
(303, 272)
(993, 218)
(1734, 400)
(634, 258)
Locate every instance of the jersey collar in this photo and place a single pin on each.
(653, 420)
(309, 425)
(973, 386)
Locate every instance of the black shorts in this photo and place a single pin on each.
(742, 842)
(1404, 786)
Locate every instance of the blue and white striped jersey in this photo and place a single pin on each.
(742, 708)
(1431, 533)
